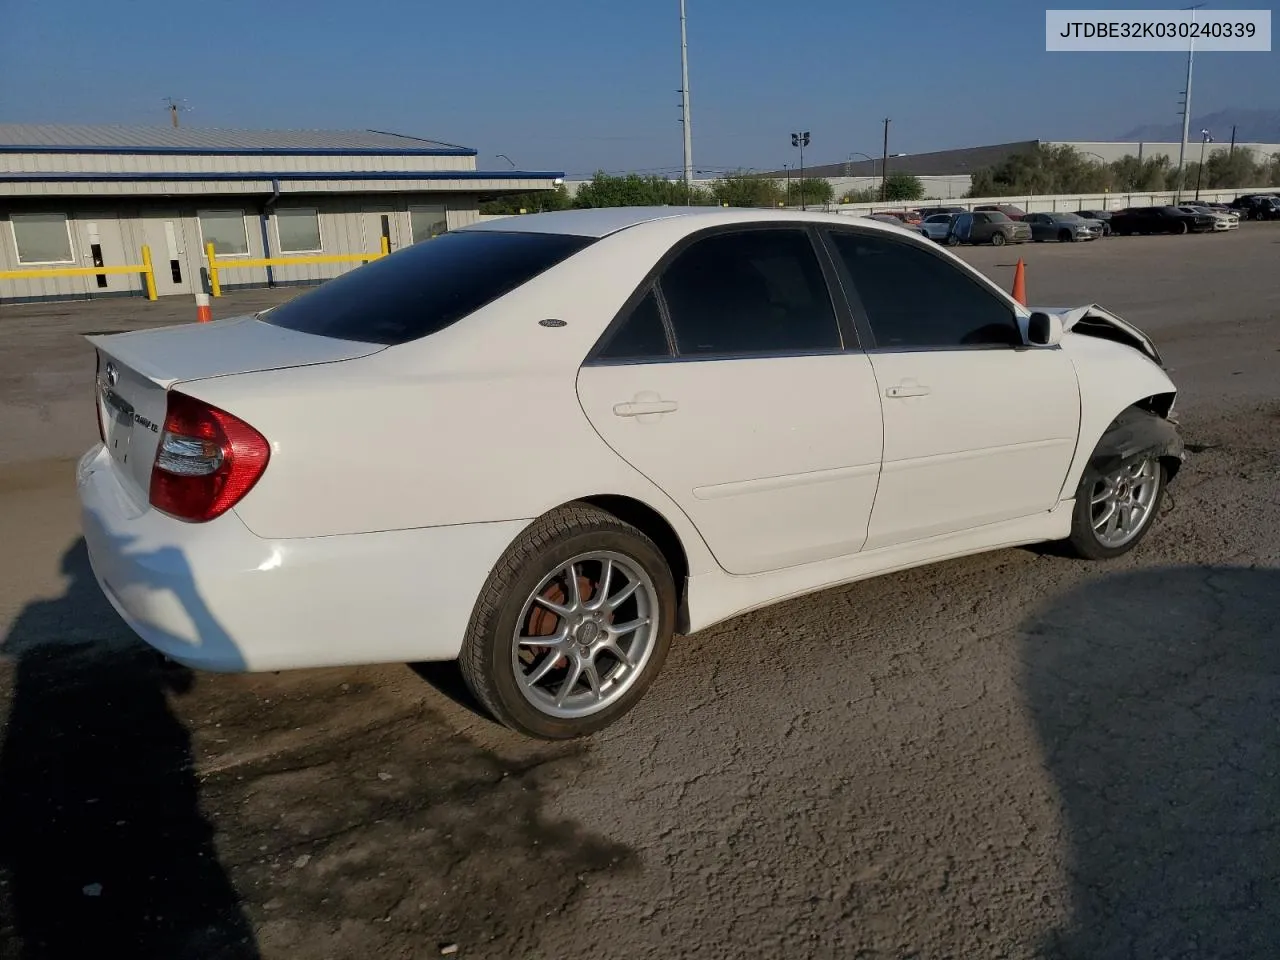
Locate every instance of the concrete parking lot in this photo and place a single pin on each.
(1013, 755)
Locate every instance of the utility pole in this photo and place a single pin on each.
(1186, 108)
(174, 107)
(684, 106)
(1232, 151)
(884, 164)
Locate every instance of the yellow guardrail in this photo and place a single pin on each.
(144, 268)
(216, 266)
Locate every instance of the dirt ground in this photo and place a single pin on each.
(1013, 755)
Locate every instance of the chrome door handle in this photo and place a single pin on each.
(640, 408)
(907, 390)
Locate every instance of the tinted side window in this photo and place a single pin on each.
(640, 336)
(424, 288)
(759, 291)
(914, 298)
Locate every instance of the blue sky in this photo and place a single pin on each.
(577, 85)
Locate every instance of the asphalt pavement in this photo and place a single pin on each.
(1012, 755)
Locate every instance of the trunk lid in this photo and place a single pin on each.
(136, 370)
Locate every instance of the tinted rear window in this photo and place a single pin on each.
(424, 288)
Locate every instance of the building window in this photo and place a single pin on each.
(298, 229)
(428, 221)
(225, 230)
(41, 237)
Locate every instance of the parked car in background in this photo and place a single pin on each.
(1103, 215)
(903, 216)
(233, 534)
(896, 222)
(1063, 227)
(987, 227)
(1168, 219)
(1257, 206)
(927, 212)
(937, 226)
(1008, 209)
(1222, 221)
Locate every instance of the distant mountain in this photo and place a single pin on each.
(1252, 126)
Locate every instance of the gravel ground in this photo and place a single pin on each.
(1013, 755)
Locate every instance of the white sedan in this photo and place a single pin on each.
(543, 445)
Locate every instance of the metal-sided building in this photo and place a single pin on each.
(94, 196)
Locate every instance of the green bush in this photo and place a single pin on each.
(746, 190)
(808, 190)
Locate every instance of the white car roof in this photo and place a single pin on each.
(602, 221)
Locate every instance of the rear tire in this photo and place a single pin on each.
(587, 674)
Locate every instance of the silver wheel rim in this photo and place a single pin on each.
(585, 635)
(1121, 502)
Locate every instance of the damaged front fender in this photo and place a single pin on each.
(1095, 321)
(1138, 433)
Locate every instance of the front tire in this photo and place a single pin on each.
(572, 626)
(997, 239)
(1115, 510)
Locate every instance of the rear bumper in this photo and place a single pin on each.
(214, 596)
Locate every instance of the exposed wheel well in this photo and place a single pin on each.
(656, 528)
(1159, 405)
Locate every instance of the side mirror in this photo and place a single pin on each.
(1044, 329)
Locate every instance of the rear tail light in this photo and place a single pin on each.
(206, 462)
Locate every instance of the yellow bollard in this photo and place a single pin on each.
(386, 246)
(214, 286)
(148, 272)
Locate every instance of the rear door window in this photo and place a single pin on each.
(424, 288)
(756, 292)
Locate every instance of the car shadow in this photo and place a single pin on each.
(1155, 696)
(445, 677)
(104, 850)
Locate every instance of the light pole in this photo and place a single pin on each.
(858, 153)
(801, 140)
(1204, 139)
(503, 156)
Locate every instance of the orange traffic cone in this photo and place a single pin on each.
(203, 312)
(1020, 282)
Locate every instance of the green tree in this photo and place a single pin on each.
(903, 186)
(869, 195)
(745, 190)
(809, 190)
(1233, 168)
(1129, 173)
(538, 201)
(1044, 170)
(633, 190)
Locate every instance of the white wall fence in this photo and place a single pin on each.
(1066, 202)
